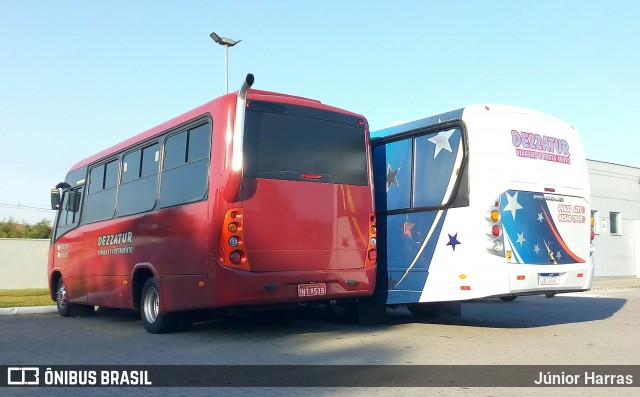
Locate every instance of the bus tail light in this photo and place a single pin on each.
(232, 250)
(372, 254)
(495, 241)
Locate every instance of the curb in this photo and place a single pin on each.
(10, 311)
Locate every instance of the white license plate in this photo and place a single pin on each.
(316, 289)
(548, 278)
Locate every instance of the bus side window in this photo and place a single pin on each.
(101, 198)
(438, 168)
(185, 169)
(139, 183)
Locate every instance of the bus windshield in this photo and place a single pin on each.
(289, 142)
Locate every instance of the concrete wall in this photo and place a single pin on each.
(615, 189)
(23, 263)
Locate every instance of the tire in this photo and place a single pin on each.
(509, 298)
(154, 320)
(64, 308)
(424, 310)
(550, 295)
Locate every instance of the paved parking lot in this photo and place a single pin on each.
(599, 327)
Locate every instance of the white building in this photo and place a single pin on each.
(615, 206)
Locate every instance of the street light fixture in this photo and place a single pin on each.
(226, 42)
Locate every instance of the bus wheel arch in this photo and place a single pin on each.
(140, 276)
(53, 285)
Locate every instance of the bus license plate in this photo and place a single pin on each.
(548, 278)
(312, 289)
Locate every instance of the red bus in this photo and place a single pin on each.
(253, 199)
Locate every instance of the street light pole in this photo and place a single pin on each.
(226, 42)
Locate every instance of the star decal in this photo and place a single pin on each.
(512, 204)
(345, 242)
(558, 255)
(441, 140)
(391, 176)
(540, 217)
(406, 228)
(453, 241)
(521, 238)
(536, 249)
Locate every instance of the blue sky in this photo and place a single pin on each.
(79, 76)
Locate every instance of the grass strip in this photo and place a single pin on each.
(25, 297)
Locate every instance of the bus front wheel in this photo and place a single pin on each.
(154, 320)
(61, 299)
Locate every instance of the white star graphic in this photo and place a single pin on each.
(536, 249)
(540, 217)
(441, 140)
(559, 255)
(521, 238)
(512, 204)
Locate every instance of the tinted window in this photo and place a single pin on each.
(138, 190)
(175, 150)
(185, 173)
(111, 175)
(101, 200)
(198, 143)
(96, 179)
(435, 161)
(150, 156)
(392, 170)
(421, 171)
(131, 166)
(296, 143)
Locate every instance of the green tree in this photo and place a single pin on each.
(11, 229)
(41, 229)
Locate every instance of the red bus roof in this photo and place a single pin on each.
(205, 108)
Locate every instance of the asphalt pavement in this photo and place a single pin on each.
(599, 284)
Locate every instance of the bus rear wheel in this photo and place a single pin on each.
(154, 320)
(509, 298)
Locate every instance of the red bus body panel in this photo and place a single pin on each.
(296, 232)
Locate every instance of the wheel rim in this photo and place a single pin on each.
(151, 305)
(61, 297)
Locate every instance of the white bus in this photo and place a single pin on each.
(484, 201)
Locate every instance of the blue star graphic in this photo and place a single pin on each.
(453, 241)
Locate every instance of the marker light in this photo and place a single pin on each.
(233, 241)
(235, 257)
(495, 216)
(372, 255)
(520, 277)
(497, 246)
(495, 230)
(233, 227)
(593, 235)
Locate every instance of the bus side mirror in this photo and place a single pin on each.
(55, 199)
